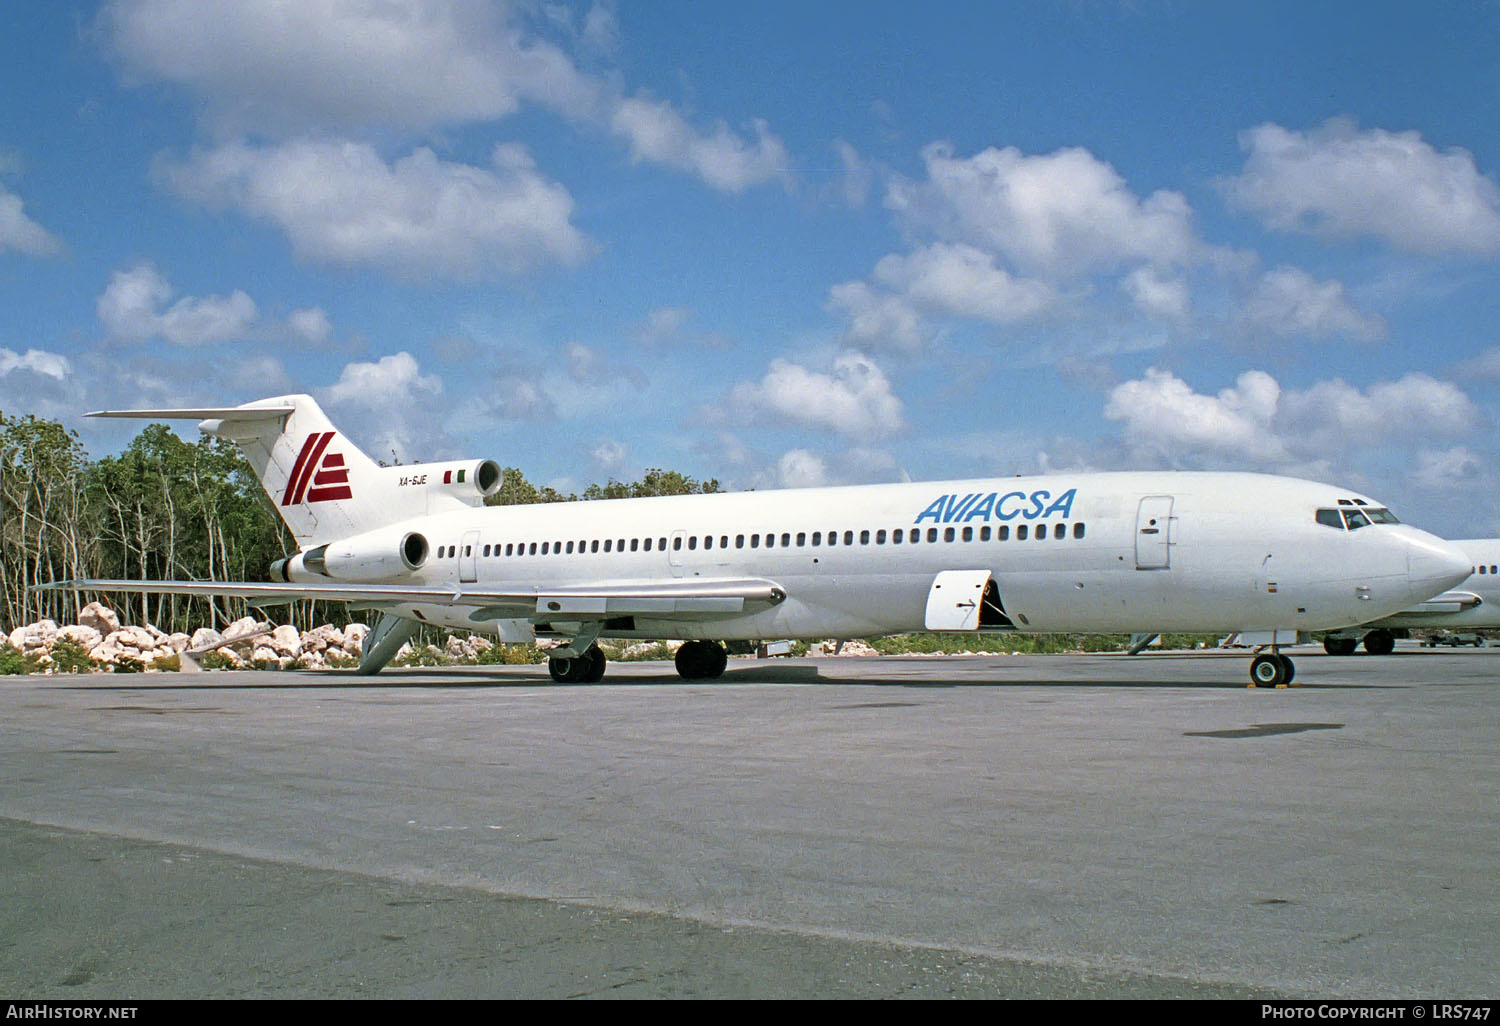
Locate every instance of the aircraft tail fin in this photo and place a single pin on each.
(322, 484)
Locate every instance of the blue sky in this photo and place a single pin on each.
(774, 243)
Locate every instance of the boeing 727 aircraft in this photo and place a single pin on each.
(1096, 553)
(1474, 604)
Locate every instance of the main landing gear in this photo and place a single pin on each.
(1271, 670)
(587, 668)
(1376, 642)
(701, 660)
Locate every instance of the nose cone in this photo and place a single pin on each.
(1434, 566)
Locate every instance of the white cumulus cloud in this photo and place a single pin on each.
(724, 159)
(1259, 423)
(799, 468)
(269, 66)
(1060, 213)
(855, 399)
(1165, 419)
(134, 308)
(1290, 302)
(34, 361)
(20, 233)
(342, 203)
(1339, 182)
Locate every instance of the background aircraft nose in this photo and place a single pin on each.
(1433, 565)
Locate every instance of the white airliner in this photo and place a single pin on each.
(1094, 553)
(1474, 604)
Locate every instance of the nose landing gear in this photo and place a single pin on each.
(1271, 670)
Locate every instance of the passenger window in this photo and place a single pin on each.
(770, 541)
(984, 533)
(1060, 531)
(676, 544)
(723, 541)
(833, 537)
(635, 544)
(786, 540)
(1078, 530)
(848, 537)
(932, 534)
(570, 548)
(801, 538)
(545, 547)
(948, 534)
(755, 541)
(708, 542)
(608, 547)
(864, 537)
(692, 541)
(817, 538)
(739, 541)
(880, 537)
(1021, 532)
(1003, 534)
(648, 545)
(898, 536)
(968, 534)
(915, 536)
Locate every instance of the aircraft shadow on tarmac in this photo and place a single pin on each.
(511, 677)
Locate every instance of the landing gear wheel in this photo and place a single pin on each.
(1340, 646)
(587, 668)
(597, 662)
(1270, 670)
(701, 660)
(1380, 643)
(1291, 671)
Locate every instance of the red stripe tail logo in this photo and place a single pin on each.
(326, 475)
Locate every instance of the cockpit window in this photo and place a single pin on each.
(1330, 518)
(1381, 516)
(1356, 519)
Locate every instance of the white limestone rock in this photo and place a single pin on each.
(100, 617)
(85, 637)
(320, 639)
(354, 638)
(285, 641)
(34, 638)
(204, 636)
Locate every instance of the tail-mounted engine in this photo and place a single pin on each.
(375, 556)
(470, 480)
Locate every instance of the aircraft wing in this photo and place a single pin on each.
(672, 600)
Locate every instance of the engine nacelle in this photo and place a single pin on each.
(375, 556)
(470, 480)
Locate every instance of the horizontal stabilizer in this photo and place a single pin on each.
(245, 413)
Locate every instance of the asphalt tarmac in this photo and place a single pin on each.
(1021, 826)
